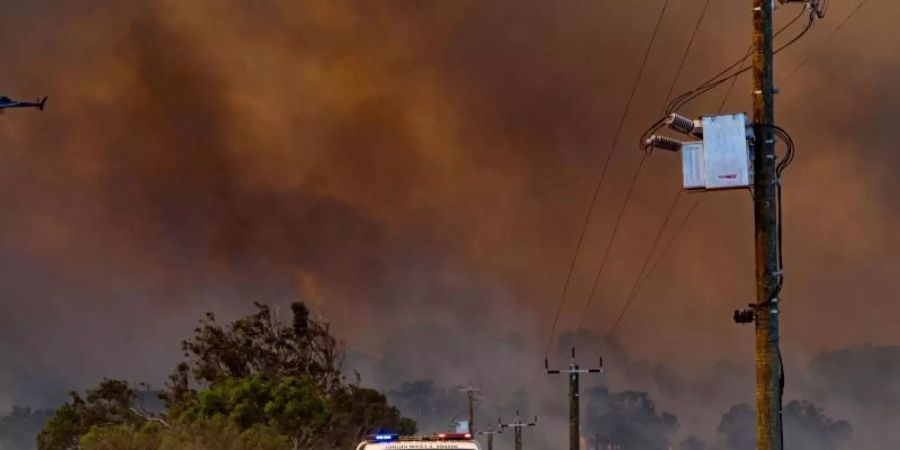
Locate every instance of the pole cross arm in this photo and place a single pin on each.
(576, 370)
(573, 367)
(518, 423)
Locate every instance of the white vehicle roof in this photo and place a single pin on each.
(419, 445)
(439, 441)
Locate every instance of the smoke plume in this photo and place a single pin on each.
(418, 172)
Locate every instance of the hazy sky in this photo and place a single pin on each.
(416, 168)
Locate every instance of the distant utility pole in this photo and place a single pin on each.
(471, 396)
(490, 437)
(574, 404)
(517, 428)
(595, 443)
(768, 354)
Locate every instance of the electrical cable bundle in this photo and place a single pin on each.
(782, 165)
(844, 22)
(727, 74)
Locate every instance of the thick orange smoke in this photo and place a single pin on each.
(407, 163)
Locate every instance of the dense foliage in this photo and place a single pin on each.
(629, 419)
(255, 384)
(217, 433)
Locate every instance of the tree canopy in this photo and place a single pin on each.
(629, 419)
(257, 381)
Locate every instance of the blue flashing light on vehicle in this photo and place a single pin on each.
(385, 437)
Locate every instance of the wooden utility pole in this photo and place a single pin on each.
(768, 356)
(490, 437)
(471, 396)
(517, 427)
(574, 397)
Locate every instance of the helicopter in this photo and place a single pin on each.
(6, 102)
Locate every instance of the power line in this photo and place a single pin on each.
(723, 76)
(603, 172)
(611, 241)
(672, 207)
(687, 50)
(628, 194)
(827, 38)
(639, 283)
(812, 21)
(727, 93)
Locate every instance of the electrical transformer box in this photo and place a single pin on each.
(722, 160)
(726, 154)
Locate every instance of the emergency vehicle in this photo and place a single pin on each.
(438, 441)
